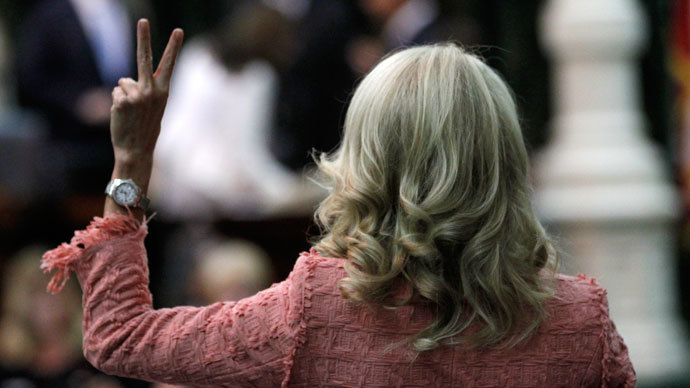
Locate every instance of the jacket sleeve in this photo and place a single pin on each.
(617, 369)
(247, 343)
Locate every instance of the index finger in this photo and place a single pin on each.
(144, 61)
(167, 63)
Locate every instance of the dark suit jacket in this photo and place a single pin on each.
(55, 66)
(315, 90)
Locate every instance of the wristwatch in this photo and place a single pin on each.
(126, 193)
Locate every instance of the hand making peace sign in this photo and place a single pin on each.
(138, 106)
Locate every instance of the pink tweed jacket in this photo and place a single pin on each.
(301, 333)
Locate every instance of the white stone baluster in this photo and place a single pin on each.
(602, 186)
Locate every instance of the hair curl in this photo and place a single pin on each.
(430, 186)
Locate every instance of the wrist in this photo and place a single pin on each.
(138, 169)
(133, 157)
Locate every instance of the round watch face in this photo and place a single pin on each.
(125, 194)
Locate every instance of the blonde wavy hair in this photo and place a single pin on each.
(429, 187)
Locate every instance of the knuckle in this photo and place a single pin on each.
(146, 95)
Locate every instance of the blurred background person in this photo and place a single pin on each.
(405, 22)
(70, 55)
(315, 88)
(223, 98)
(338, 42)
(22, 144)
(40, 336)
(222, 103)
(396, 24)
(222, 269)
(229, 269)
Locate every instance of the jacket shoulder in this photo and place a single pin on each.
(579, 304)
(329, 270)
(579, 289)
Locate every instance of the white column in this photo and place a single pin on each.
(602, 186)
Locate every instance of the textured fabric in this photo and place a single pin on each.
(301, 333)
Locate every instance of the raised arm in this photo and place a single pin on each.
(245, 343)
(249, 343)
(137, 111)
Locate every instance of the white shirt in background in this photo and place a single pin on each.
(212, 158)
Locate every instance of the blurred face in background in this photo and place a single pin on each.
(38, 331)
(48, 316)
(380, 10)
(230, 270)
(255, 32)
